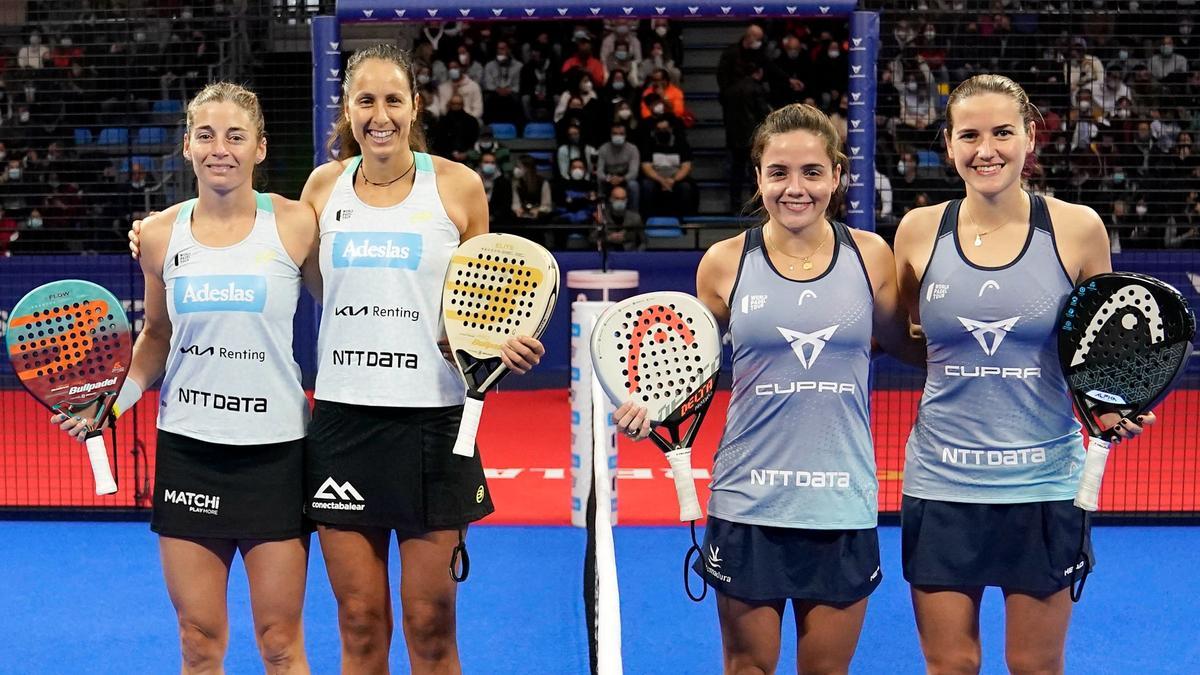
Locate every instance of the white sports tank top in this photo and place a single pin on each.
(231, 377)
(383, 271)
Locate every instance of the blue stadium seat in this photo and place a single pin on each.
(539, 130)
(928, 158)
(113, 136)
(151, 136)
(663, 227)
(83, 137)
(168, 105)
(503, 131)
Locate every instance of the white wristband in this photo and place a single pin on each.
(130, 392)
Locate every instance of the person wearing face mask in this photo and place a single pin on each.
(466, 61)
(459, 83)
(667, 186)
(584, 60)
(456, 131)
(34, 54)
(576, 200)
(532, 202)
(747, 108)
(1106, 92)
(619, 89)
(622, 58)
(574, 147)
(1166, 62)
(830, 73)
(669, 95)
(497, 188)
(623, 227)
(501, 87)
(622, 39)
(487, 144)
(617, 164)
(583, 88)
(918, 111)
(658, 56)
(1081, 68)
(790, 73)
(739, 58)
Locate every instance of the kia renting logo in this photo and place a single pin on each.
(396, 250)
(220, 293)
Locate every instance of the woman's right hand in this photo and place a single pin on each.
(631, 420)
(77, 427)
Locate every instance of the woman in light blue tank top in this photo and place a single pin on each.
(794, 508)
(223, 273)
(994, 458)
(379, 454)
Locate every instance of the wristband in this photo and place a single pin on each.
(130, 392)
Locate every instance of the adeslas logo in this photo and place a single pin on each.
(396, 250)
(220, 293)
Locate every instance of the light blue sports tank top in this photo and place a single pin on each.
(231, 376)
(995, 422)
(796, 450)
(383, 269)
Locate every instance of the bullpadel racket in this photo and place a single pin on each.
(70, 344)
(662, 351)
(1124, 340)
(498, 286)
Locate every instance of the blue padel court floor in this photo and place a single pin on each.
(89, 598)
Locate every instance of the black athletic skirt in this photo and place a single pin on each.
(213, 490)
(1031, 548)
(374, 466)
(757, 563)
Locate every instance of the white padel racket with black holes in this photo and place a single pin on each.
(498, 286)
(662, 351)
(70, 344)
(1124, 340)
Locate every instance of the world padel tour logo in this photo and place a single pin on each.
(220, 293)
(396, 250)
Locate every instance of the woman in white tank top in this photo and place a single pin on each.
(229, 475)
(390, 217)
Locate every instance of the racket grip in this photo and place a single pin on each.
(98, 455)
(685, 485)
(464, 445)
(1088, 496)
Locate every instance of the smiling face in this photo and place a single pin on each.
(988, 142)
(381, 107)
(223, 145)
(796, 178)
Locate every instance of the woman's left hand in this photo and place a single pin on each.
(1128, 428)
(521, 354)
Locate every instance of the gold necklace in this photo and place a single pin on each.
(980, 235)
(805, 260)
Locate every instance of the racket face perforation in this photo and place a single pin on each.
(497, 286)
(69, 342)
(1123, 340)
(659, 350)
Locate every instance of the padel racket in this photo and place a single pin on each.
(498, 286)
(1124, 340)
(662, 351)
(70, 344)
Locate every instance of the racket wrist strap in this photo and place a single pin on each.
(130, 392)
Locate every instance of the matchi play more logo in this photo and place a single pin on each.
(220, 293)
(396, 250)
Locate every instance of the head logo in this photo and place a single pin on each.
(1131, 297)
(815, 342)
(656, 321)
(990, 283)
(989, 334)
(332, 491)
(806, 293)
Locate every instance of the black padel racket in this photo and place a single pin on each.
(70, 344)
(662, 351)
(1124, 340)
(498, 286)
